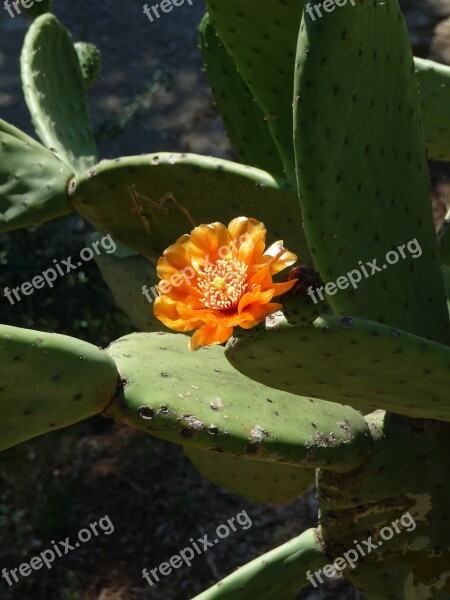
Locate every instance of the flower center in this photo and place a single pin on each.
(223, 284)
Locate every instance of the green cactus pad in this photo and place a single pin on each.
(125, 278)
(37, 8)
(278, 575)
(254, 480)
(49, 381)
(54, 92)
(147, 202)
(33, 181)
(263, 50)
(401, 487)
(361, 166)
(197, 399)
(242, 116)
(90, 62)
(348, 360)
(434, 87)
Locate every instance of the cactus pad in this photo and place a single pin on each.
(278, 575)
(243, 118)
(90, 62)
(54, 92)
(362, 173)
(399, 487)
(263, 50)
(33, 181)
(125, 278)
(147, 202)
(49, 381)
(353, 361)
(251, 479)
(197, 399)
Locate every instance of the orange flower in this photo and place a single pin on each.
(218, 278)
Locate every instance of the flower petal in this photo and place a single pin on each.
(205, 336)
(207, 240)
(282, 288)
(249, 236)
(256, 298)
(258, 314)
(166, 310)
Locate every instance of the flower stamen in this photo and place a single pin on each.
(223, 284)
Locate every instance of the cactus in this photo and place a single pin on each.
(183, 411)
(33, 181)
(298, 306)
(255, 480)
(259, 45)
(90, 62)
(355, 397)
(55, 93)
(348, 198)
(277, 574)
(132, 280)
(368, 365)
(67, 380)
(243, 118)
(147, 202)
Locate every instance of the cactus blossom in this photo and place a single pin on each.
(218, 278)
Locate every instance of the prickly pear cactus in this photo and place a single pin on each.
(347, 388)
(54, 87)
(90, 62)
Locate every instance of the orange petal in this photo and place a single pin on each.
(258, 298)
(179, 285)
(205, 336)
(206, 240)
(178, 254)
(166, 310)
(249, 236)
(258, 314)
(261, 278)
(168, 271)
(203, 316)
(282, 288)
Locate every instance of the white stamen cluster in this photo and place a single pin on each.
(223, 284)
